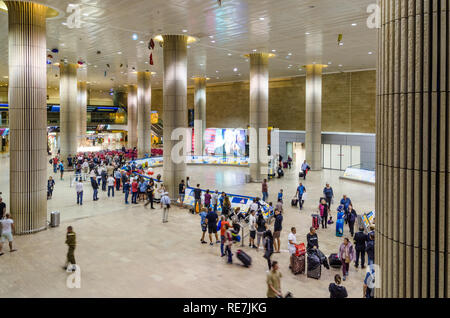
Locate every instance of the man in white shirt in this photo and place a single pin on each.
(79, 188)
(85, 166)
(215, 200)
(292, 239)
(7, 225)
(252, 228)
(254, 206)
(110, 183)
(165, 202)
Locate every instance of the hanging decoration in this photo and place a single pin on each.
(55, 50)
(151, 44)
(151, 58)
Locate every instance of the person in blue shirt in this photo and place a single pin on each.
(301, 190)
(142, 189)
(221, 199)
(328, 193)
(203, 224)
(346, 202)
(305, 168)
(280, 196)
(61, 168)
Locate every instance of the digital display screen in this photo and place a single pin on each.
(226, 141)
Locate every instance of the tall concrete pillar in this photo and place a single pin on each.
(199, 115)
(413, 150)
(132, 116)
(28, 115)
(69, 111)
(313, 141)
(259, 116)
(144, 113)
(82, 104)
(175, 110)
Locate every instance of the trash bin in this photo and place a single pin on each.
(54, 219)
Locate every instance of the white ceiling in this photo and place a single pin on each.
(238, 28)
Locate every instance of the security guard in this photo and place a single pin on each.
(71, 241)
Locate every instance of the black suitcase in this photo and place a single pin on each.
(301, 175)
(314, 268)
(244, 258)
(294, 202)
(334, 261)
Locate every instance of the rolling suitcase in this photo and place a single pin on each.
(315, 221)
(334, 261)
(301, 175)
(285, 165)
(298, 264)
(294, 202)
(244, 258)
(314, 269)
(340, 227)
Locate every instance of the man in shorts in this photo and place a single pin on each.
(211, 219)
(7, 225)
(277, 231)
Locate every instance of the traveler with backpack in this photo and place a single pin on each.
(336, 290)
(369, 283)
(346, 255)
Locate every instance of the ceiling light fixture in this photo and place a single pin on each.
(229, 54)
(354, 24)
(235, 69)
(370, 53)
(134, 36)
(262, 19)
(307, 33)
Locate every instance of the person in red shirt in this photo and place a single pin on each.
(223, 224)
(134, 191)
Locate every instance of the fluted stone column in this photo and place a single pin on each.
(175, 110)
(69, 110)
(413, 150)
(199, 115)
(132, 116)
(82, 104)
(313, 124)
(259, 116)
(144, 112)
(28, 115)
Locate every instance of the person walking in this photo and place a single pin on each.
(71, 241)
(228, 243)
(61, 169)
(207, 199)
(252, 229)
(223, 239)
(50, 187)
(165, 202)
(79, 189)
(110, 182)
(2, 208)
(226, 206)
(126, 190)
(118, 177)
(324, 209)
(94, 185)
(301, 191)
(360, 241)
(346, 255)
(336, 289)
(268, 247)
(7, 230)
(273, 281)
(352, 216)
(104, 176)
(260, 229)
(328, 193)
(369, 283)
(265, 190)
(212, 219)
(277, 230)
(305, 168)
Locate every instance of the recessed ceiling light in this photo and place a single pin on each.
(307, 33)
(261, 18)
(329, 63)
(119, 52)
(341, 43)
(229, 54)
(254, 50)
(62, 44)
(274, 50)
(95, 65)
(184, 31)
(211, 36)
(340, 65)
(213, 41)
(64, 23)
(354, 24)
(201, 64)
(289, 54)
(5, 76)
(235, 69)
(217, 77)
(134, 36)
(217, 71)
(370, 53)
(142, 42)
(188, 46)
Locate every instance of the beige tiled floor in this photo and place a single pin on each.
(125, 251)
